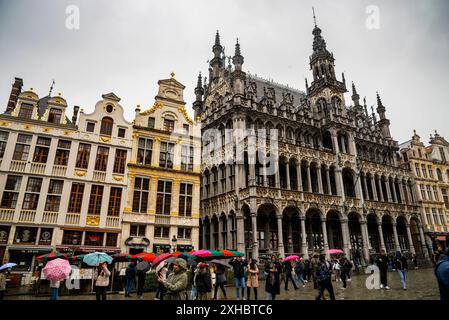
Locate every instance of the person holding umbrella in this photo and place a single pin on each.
(202, 282)
(220, 279)
(101, 278)
(177, 281)
(141, 269)
(238, 266)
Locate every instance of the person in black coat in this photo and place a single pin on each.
(130, 275)
(382, 263)
(400, 264)
(238, 264)
(202, 281)
(288, 268)
(324, 278)
(273, 269)
(442, 274)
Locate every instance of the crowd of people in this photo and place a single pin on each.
(204, 280)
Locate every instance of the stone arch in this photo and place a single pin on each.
(207, 233)
(267, 227)
(314, 230)
(388, 234)
(314, 176)
(291, 229)
(334, 229)
(401, 227)
(348, 182)
(223, 232)
(355, 231)
(327, 141)
(372, 223)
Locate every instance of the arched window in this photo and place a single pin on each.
(348, 182)
(54, 116)
(106, 126)
(336, 105)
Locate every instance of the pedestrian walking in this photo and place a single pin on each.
(313, 266)
(442, 274)
(337, 271)
(307, 270)
(202, 281)
(345, 268)
(382, 262)
(192, 273)
(324, 278)
(220, 280)
(253, 278)
(299, 272)
(141, 275)
(130, 276)
(400, 265)
(238, 265)
(101, 278)
(177, 281)
(415, 261)
(273, 270)
(288, 272)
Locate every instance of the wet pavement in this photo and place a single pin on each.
(421, 285)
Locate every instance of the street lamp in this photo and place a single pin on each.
(173, 243)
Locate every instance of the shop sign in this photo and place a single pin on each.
(184, 248)
(161, 248)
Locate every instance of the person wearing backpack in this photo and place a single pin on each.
(442, 274)
(323, 274)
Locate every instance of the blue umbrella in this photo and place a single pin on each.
(8, 265)
(96, 258)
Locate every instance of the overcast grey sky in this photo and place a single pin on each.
(127, 46)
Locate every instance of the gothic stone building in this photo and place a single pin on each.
(336, 183)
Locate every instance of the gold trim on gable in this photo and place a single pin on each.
(183, 111)
(156, 105)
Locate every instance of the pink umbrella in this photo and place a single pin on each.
(201, 253)
(335, 251)
(291, 258)
(161, 258)
(57, 270)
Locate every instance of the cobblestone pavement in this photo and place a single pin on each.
(421, 285)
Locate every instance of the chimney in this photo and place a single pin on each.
(14, 96)
(75, 114)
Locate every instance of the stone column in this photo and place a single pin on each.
(264, 175)
(407, 190)
(410, 240)
(328, 180)
(229, 234)
(345, 234)
(212, 240)
(339, 183)
(395, 196)
(280, 236)
(365, 185)
(401, 192)
(304, 247)
(277, 181)
(287, 175)
(396, 238)
(220, 234)
(204, 235)
(388, 187)
(320, 181)
(267, 234)
(373, 186)
(252, 171)
(381, 192)
(381, 236)
(423, 242)
(298, 171)
(255, 240)
(240, 234)
(326, 244)
(309, 179)
(365, 239)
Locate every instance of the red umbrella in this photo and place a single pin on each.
(145, 256)
(161, 258)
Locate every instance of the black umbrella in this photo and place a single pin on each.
(143, 266)
(221, 262)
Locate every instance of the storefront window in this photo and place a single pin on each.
(25, 235)
(72, 237)
(23, 260)
(46, 235)
(94, 239)
(111, 239)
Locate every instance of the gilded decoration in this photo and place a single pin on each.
(92, 220)
(80, 173)
(156, 105)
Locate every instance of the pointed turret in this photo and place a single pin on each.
(355, 96)
(237, 60)
(384, 123)
(217, 62)
(238, 76)
(199, 91)
(380, 107)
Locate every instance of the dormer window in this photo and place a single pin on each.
(26, 111)
(55, 115)
(169, 125)
(151, 122)
(90, 127)
(106, 126)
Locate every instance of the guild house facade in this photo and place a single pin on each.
(162, 208)
(287, 171)
(62, 180)
(430, 168)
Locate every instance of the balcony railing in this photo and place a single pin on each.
(17, 166)
(59, 171)
(27, 215)
(162, 219)
(50, 217)
(112, 222)
(72, 219)
(99, 176)
(7, 215)
(38, 168)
